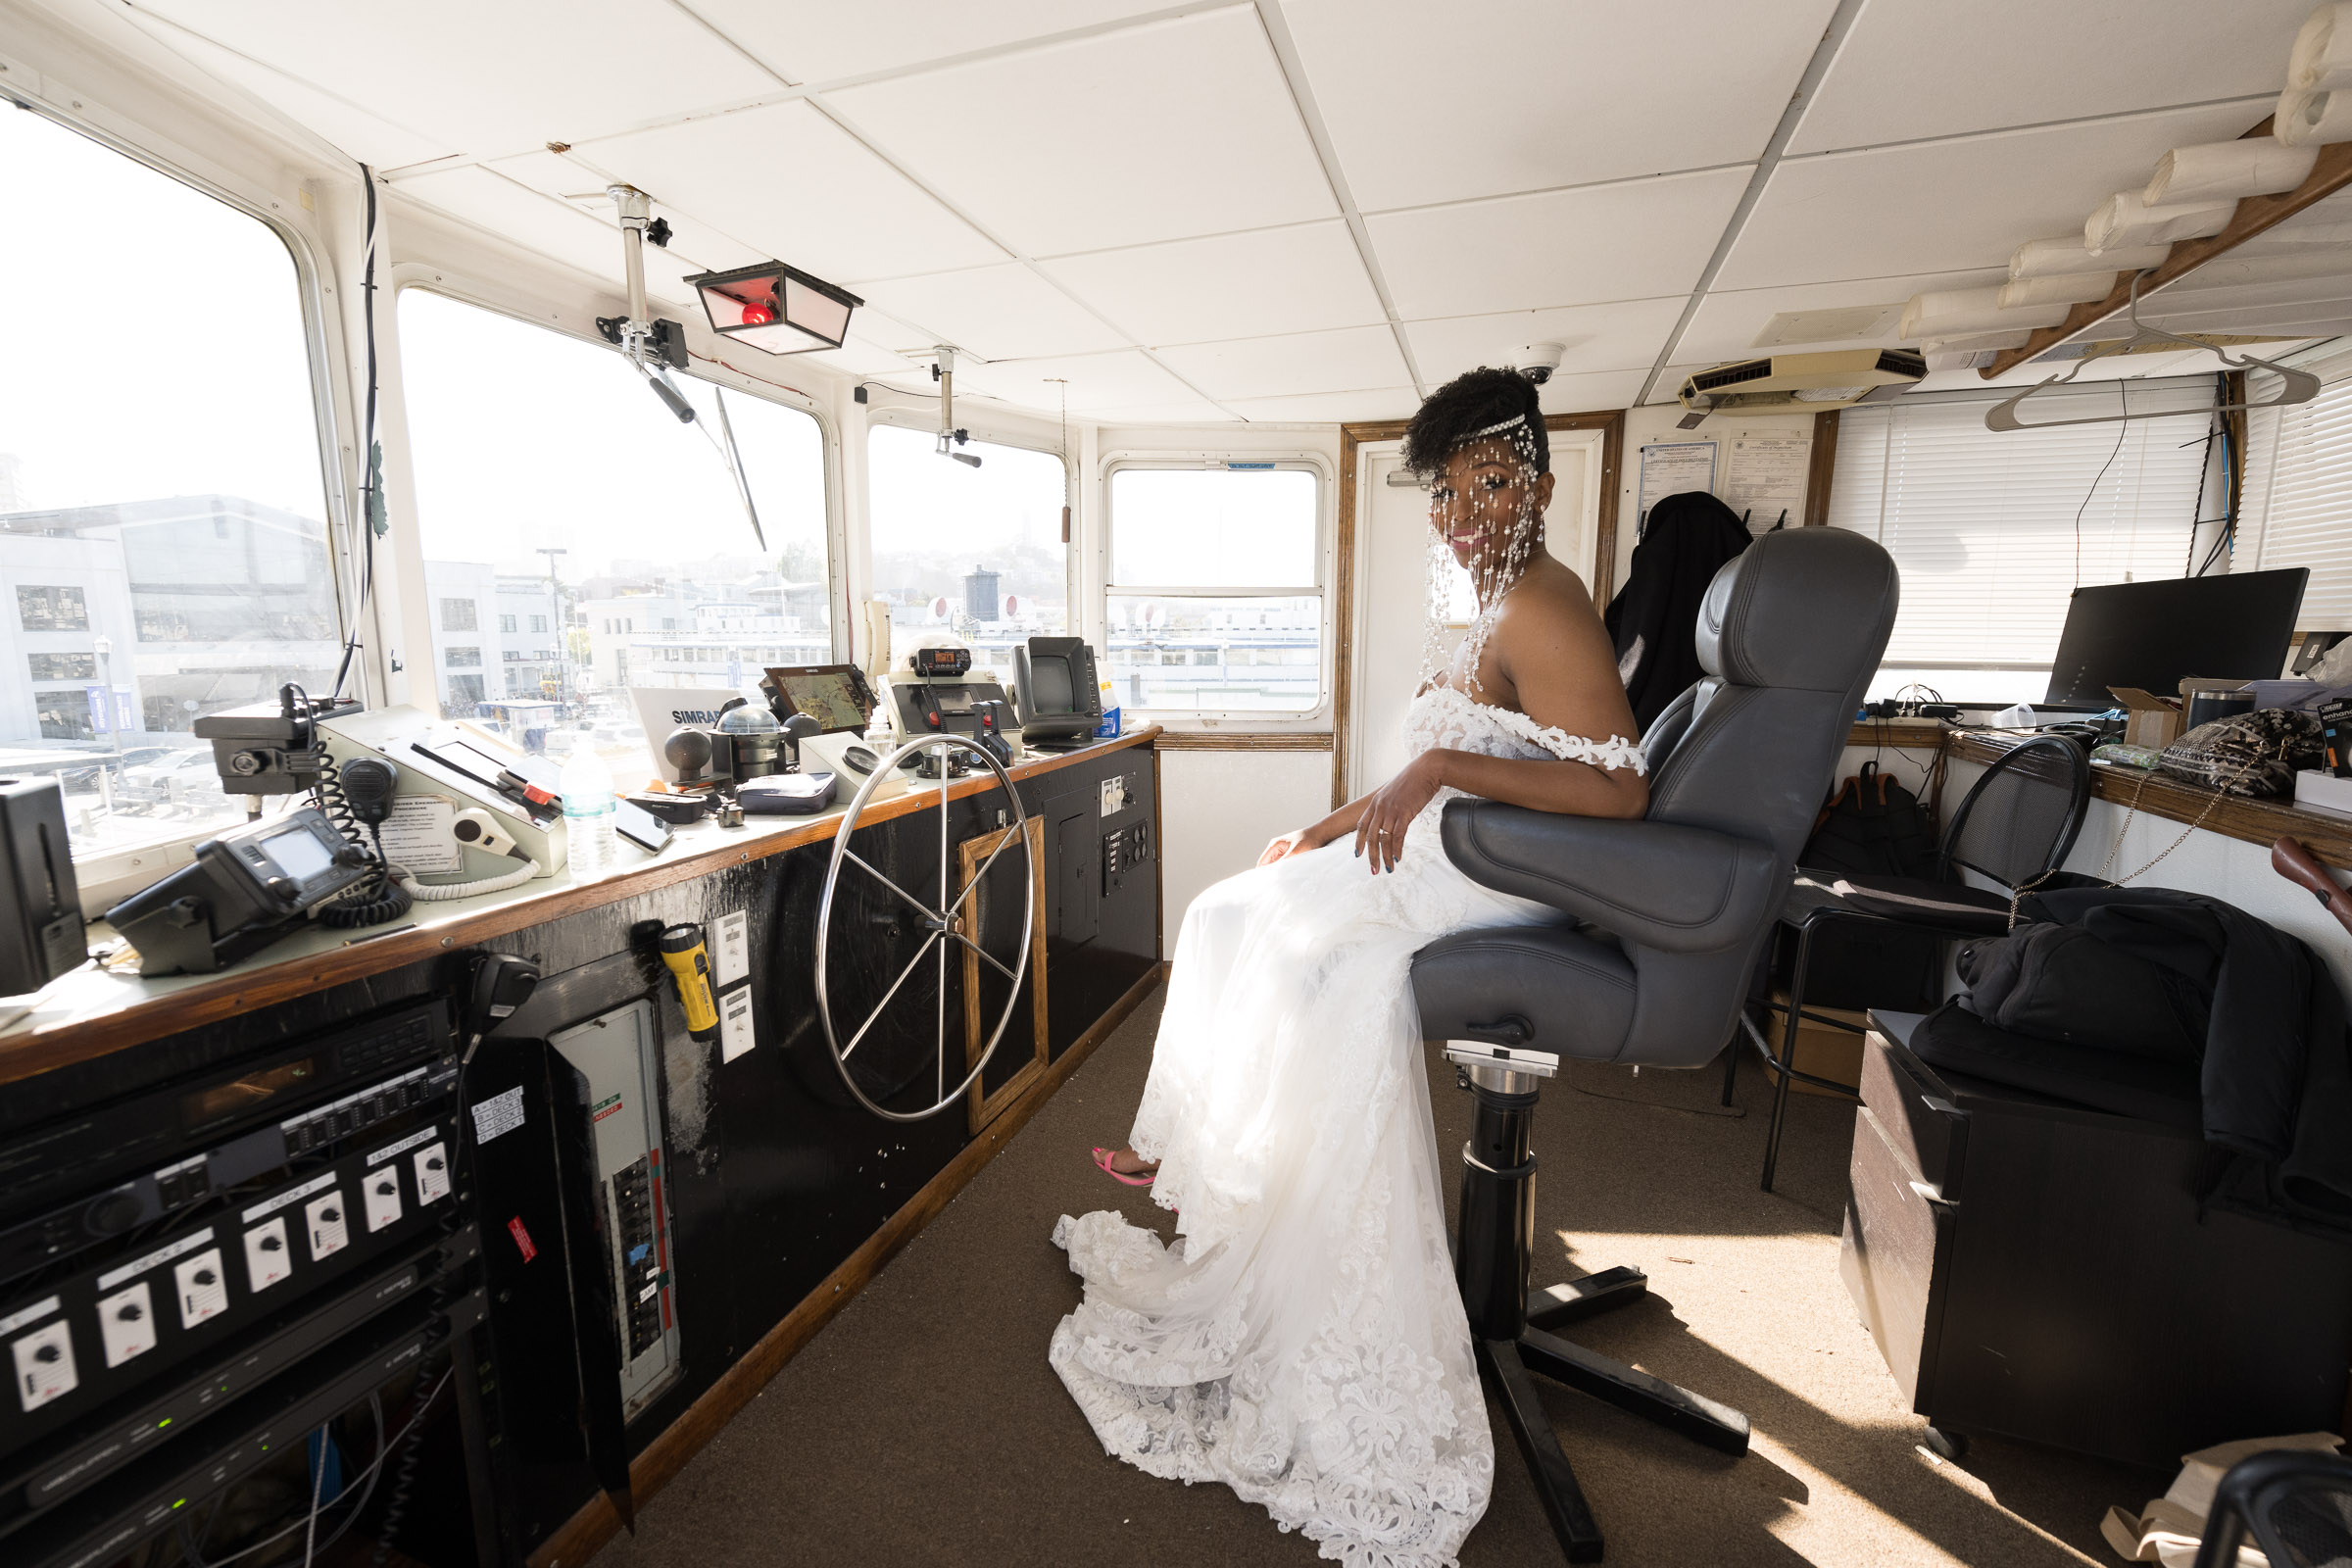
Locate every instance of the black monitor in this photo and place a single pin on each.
(1053, 680)
(2153, 635)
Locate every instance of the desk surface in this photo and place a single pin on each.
(2326, 834)
(94, 1010)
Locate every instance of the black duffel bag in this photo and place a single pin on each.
(2062, 983)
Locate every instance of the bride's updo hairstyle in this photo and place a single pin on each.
(1472, 405)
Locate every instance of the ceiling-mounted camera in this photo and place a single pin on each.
(1536, 360)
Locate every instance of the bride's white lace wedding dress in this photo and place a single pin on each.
(1303, 1341)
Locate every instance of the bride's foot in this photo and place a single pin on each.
(1125, 1166)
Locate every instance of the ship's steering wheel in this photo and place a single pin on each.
(948, 922)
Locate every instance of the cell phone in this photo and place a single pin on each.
(640, 827)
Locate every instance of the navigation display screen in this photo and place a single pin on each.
(827, 692)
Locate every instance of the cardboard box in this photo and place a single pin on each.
(2149, 720)
(1823, 1052)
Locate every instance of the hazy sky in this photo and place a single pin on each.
(155, 335)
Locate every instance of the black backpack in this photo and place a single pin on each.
(1871, 826)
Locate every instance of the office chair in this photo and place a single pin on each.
(2298, 1505)
(1674, 910)
(2014, 828)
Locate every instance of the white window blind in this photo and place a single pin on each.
(1982, 525)
(2297, 510)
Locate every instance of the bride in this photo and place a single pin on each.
(1303, 1341)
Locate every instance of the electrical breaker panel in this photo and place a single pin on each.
(619, 1055)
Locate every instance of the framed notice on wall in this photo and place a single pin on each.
(1670, 468)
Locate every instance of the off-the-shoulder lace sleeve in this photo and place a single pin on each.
(1607, 754)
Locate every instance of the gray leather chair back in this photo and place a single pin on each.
(1790, 635)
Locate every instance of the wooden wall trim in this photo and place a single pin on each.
(578, 1538)
(1610, 422)
(1821, 468)
(2255, 213)
(1243, 741)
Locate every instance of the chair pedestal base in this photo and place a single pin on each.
(1512, 1327)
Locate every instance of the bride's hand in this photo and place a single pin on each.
(1288, 844)
(1390, 810)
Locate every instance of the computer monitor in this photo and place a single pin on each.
(1053, 680)
(2153, 634)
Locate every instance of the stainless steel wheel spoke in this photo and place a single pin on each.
(1003, 845)
(887, 994)
(860, 861)
(986, 956)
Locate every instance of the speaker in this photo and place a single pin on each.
(40, 904)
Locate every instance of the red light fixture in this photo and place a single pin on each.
(775, 308)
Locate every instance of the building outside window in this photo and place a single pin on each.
(565, 542)
(506, 623)
(63, 667)
(457, 614)
(975, 551)
(464, 658)
(162, 532)
(1215, 601)
(47, 609)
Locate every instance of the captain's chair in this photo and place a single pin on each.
(1671, 914)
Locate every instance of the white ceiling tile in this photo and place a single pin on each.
(1586, 393)
(551, 228)
(1618, 337)
(1297, 279)
(1912, 69)
(1728, 322)
(1330, 407)
(1127, 378)
(368, 137)
(860, 355)
(692, 242)
(824, 43)
(1951, 205)
(1514, 95)
(1154, 132)
(490, 78)
(795, 186)
(1635, 240)
(1004, 311)
(1345, 360)
(888, 331)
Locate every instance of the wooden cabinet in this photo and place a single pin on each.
(2040, 1271)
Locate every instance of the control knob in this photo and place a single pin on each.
(130, 1312)
(274, 1243)
(205, 1276)
(46, 1354)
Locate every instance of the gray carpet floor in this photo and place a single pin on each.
(923, 1426)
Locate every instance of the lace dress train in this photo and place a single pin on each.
(1303, 1341)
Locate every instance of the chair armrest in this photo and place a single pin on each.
(1675, 889)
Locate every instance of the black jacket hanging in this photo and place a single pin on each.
(1654, 617)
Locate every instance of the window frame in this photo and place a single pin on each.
(109, 874)
(1316, 720)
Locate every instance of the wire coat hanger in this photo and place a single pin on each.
(2301, 385)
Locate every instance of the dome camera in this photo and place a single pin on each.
(1536, 360)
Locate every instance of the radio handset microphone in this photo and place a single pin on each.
(501, 982)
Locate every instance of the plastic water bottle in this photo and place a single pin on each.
(588, 811)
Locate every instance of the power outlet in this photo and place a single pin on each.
(1114, 792)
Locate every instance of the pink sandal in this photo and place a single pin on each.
(1102, 1158)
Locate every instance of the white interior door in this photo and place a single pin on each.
(1392, 575)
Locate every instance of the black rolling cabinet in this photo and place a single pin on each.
(2045, 1272)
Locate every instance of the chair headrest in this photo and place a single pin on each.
(1806, 608)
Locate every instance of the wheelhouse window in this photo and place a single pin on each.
(554, 493)
(162, 516)
(975, 552)
(2299, 492)
(1215, 602)
(1993, 531)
